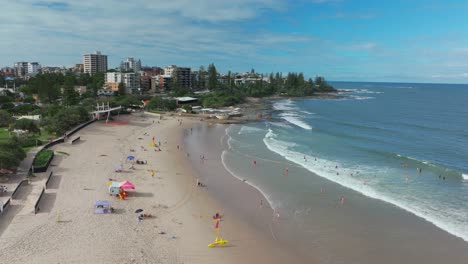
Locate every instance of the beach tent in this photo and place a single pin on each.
(102, 207)
(114, 188)
(126, 185)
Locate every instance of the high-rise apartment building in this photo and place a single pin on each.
(182, 74)
(94, 63)
(33, 68)
(130, 64)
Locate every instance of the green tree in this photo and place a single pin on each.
(25, 109)
(11, 154)
(122, 89)
(28, 125)
(70, 96)
(5, 99)
(202, 78)
(212, 78)
(29, 100)
(175, 82)
(5, 118)
(8, 106)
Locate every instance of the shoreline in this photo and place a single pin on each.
(387, 233)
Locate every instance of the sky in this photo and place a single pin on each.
(343, 40)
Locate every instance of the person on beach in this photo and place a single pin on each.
(286, 171)
(305, 158)
(342, 200)
(255, 164)
(178, 147)
(276, 215)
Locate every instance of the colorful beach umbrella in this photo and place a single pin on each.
(126, 185)
(131, 157)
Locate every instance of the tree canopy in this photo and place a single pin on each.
(11, 154)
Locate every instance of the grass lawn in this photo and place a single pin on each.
(44, 137)
(4, 134)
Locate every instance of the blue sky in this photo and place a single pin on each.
(348, 40)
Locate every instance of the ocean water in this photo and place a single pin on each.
(405, 144)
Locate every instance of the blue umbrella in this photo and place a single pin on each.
(130, 157)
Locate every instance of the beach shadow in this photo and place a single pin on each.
(47, 202)
(54, 182)
(119, 211)
(8, 215)
(140, 194)
(23, 192)
(78, 142)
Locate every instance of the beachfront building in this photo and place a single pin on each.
(130, 64)
(145, 82)
(130, 79)
(94, 63)
(160, 83)
(183, 75)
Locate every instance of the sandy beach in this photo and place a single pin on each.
(66, 230)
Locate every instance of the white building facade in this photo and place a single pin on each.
(33, 68)
(130, 64)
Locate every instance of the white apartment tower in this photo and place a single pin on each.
(33, 68)
(94, 63)
(130, 64)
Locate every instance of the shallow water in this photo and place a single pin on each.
(371, 141)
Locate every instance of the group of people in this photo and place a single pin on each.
(3, 188)
(141, 162)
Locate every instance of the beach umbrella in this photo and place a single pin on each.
(138, 211)
(131, 157)
(126, 185)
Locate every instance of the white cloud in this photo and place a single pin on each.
(162, 30)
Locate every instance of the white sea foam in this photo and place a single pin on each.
(284, 105)
(279, 124)
(267, 197)
(452, 220)
(357, 97)
(249, 130)
(295, 120)
(465, 176)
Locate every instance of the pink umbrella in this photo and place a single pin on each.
(126, 185)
